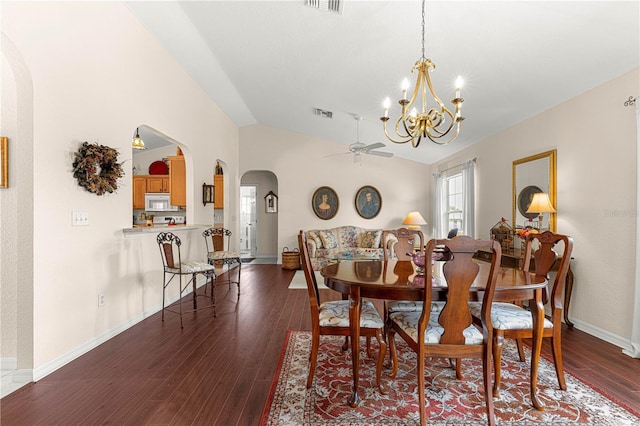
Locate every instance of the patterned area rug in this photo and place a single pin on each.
(449, 401)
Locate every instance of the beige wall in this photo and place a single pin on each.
(302, 164)
(97, 74)
(595, 138)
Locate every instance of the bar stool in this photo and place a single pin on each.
(169, 245)
(218, 256)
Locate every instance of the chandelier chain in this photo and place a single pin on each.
(423, 3)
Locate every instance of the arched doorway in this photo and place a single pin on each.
(258, 224)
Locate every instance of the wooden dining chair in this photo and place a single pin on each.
(332, 318)
(174, 266)
(512, 321)
(403, 251)
(450, 332)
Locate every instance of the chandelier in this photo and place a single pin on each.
(435, 123)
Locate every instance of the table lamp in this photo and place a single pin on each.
(415, 221)
(540, 204)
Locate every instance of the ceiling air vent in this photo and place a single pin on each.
(334, 6)
(322, 113)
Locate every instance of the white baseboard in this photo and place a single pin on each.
(12, 378)
(614, 339)
(62, 360)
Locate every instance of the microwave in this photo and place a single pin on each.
(158, 202)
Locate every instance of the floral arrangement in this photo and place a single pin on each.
(523, 232)
(96, 168)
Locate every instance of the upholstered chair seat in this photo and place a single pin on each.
(508, 316)
(336, 314)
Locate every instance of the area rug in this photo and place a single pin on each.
(299, 281)
(449, 401)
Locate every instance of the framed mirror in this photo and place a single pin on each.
(536, 173)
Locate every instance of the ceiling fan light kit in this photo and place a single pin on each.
(435, 123)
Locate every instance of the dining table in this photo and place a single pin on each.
(403, 280)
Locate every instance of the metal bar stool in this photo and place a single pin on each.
(221, 257)
(169, 245)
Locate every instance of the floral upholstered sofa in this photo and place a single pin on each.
(345, 242)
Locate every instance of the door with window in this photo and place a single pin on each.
(248, 220)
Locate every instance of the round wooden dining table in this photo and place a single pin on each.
(400, 280)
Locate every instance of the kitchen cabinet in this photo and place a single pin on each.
(218, 191)
(139, 189)
(178, 181)
(158, 183)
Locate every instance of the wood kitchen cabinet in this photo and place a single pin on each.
(139, 189)
(178, 181)
(218, 191)
(158, 183)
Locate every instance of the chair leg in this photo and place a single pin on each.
(556, 350)
(520, 350)
(313, 358)
(381, 356)
(369, 347)
(193, 284)
(392, 352)
(421, 396)
(498, 344)
(486, 378)
(238, 282)
(164, 290)
(459, 369)
(212, 278)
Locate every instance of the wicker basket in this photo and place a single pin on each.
(290, 259)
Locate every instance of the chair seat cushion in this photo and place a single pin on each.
(221, 255)
(408, 322)
(336, 314)
(411, 306)
(508, 316)
(192, 267)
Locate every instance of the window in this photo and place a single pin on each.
(454, 209)
(454, 203)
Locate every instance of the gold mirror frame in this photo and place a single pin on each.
(528, 172)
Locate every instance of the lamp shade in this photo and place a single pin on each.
(540, 204)
(414, 220)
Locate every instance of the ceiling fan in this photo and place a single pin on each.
(358, 147)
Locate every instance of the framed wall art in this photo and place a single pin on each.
(368, 202)
(325, 203)
(271, 203)
(4, 162)
(536, 173)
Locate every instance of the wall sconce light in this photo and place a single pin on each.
(208, 196)
(271, 203)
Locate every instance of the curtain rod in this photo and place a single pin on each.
(458, 165)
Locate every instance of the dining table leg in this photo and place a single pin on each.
(537, 312)
(355, 305)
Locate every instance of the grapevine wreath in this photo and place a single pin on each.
(97, 169)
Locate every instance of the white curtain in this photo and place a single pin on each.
(634, 351)
(468, 200)
(438, 226)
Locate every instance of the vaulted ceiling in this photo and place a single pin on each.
(273, 62)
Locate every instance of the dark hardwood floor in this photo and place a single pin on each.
(219, 371)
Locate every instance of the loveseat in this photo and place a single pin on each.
(346, 242)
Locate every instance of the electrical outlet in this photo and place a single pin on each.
(100, 299)
(80, 219)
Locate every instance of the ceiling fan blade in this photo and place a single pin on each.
(381, 153)
(373, 146)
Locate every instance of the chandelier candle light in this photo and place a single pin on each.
(435, 122)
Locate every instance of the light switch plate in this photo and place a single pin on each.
(80, 219)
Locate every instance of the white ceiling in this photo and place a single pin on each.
(272, 62)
